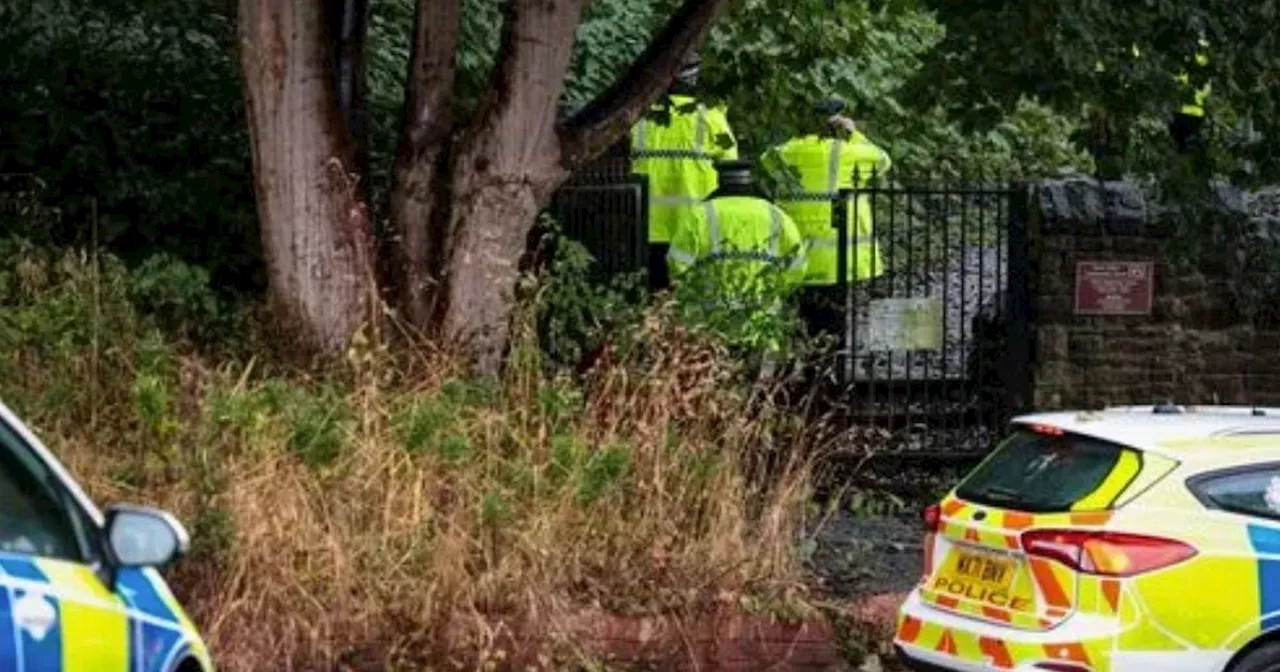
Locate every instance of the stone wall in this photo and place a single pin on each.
(1193, 347)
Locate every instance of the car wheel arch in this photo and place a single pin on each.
(190, 664)
(1262, 639)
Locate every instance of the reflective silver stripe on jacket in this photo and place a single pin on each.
(713, 226)
(700, 132)
(675, 201)
(640, 148)
(775, 230)
(680, 256)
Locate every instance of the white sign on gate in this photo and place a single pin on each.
(905, 324)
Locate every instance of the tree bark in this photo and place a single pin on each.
(419, 200)
(315, 229)
(505, 170)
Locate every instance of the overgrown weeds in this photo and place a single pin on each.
(390, 508)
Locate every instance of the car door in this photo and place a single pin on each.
(56, 613)
(1250, 494)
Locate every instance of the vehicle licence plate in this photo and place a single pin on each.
(989, 571)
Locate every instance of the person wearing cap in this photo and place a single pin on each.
(807, 174)
(676, 145)
(752, 250)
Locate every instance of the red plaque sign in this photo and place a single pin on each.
(1114, 287)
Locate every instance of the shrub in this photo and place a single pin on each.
(404, 520)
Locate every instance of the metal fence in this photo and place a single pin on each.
(934, 355)
(934, 351)
(605, 207)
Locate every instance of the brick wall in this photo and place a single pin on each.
(1193, 347)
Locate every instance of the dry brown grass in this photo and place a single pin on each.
(392, 511)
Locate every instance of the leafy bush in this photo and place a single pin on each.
(577, 310)
(178, 296)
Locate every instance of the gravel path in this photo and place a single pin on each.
(861, 556)
(872, 544)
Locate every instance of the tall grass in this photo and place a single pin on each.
(391, 509)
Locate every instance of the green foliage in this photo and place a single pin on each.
(179, 298)
(137, 107)
(1079, 53)
(874, 503)
(430, 424)
(870, 55)
(577, 311)
(602, 472)
(761, 320)
(61, 310)
(612, 34)
(319, 425)
(798, 53)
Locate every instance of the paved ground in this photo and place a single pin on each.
(861, 556)
(867, 554)
(872, 544)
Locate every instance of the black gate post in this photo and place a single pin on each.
(844, 354)
(1016, 373)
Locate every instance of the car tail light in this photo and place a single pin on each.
(931, 516)
(1105, 553)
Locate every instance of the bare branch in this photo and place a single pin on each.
(598, 125)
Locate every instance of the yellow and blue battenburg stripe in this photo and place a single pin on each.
(138, 628)
(1266, 543)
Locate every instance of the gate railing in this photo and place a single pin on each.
(605, 206)
(934, 350)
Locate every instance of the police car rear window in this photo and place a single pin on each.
(1046, 470)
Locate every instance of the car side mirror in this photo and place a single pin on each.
(139, 536)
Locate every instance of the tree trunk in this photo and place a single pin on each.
(315, 229)
(503, 173)
(419, 196)
(466, 194)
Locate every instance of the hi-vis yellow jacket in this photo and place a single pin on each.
(679, 158)
(809, 171)
(745, 238)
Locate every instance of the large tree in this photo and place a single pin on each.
(466, 187)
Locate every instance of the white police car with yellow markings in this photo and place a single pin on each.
(1132, 539)
(79, 591)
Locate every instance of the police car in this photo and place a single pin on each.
(1133, 539)
(79, 590)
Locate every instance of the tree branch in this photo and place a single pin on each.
(598, 125)
(525, 86)
(417, 202)
(428, 113)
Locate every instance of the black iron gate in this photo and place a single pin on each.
(935, 352)
(605, 206)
